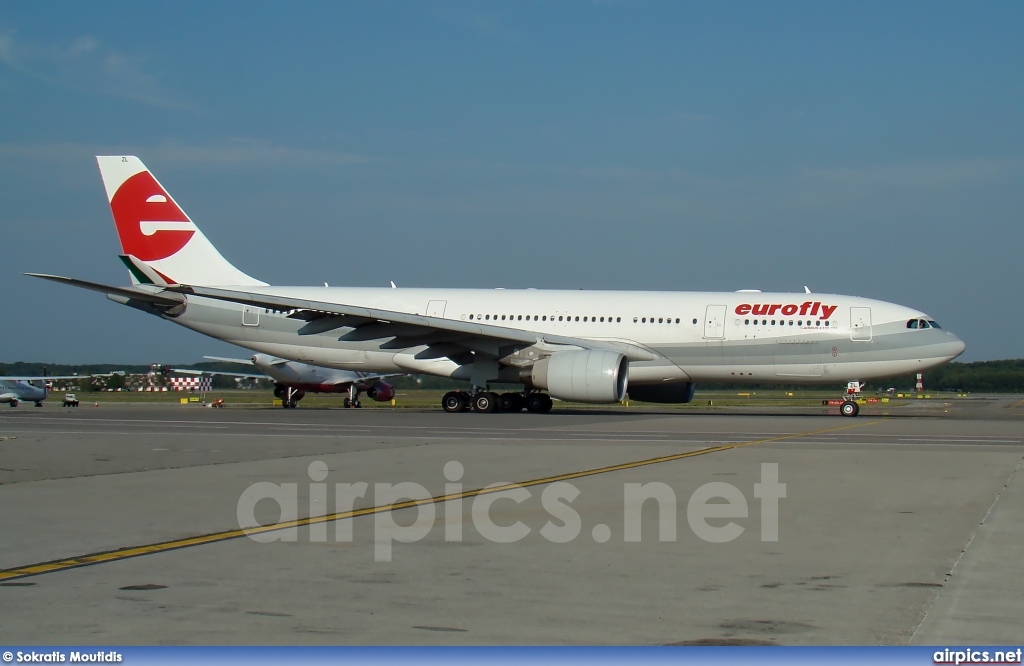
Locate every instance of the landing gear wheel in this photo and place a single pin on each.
(348, 403)
(538, 403)
(849, 408)
(510, 402)
(357, 404)
(454, 401)
(485, 402)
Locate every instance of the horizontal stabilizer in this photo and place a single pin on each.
(157, 296)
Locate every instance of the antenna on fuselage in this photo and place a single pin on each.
(807, 289)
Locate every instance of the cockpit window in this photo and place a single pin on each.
(921, 323)
(912, 323)
(934, 324)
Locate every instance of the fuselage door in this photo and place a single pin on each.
(714, 322)
(250, 315)
(436, 309)
(860, 324)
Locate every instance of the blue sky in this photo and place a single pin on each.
(862, 148)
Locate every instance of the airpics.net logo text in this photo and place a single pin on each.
(713, 510)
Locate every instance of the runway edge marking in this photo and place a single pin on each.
(116, 555)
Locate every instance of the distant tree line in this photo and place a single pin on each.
(979, 377)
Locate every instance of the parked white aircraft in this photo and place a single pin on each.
(15, 390)
(586, 346)
(292, 380)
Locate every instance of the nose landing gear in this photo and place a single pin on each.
(850, 406)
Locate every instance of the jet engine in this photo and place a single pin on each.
(594, 375)
(381, 392)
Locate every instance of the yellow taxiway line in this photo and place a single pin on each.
(108, 556)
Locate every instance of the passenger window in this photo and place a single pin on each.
(746, 322)
(694, 320)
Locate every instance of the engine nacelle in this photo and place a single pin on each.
(381, 392)
(675, 393)
(594, 375)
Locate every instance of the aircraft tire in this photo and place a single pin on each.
(454, 401)
(849, 408)
(485, 402)
(538, 403)
(507, 402)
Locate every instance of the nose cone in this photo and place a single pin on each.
(955, 347)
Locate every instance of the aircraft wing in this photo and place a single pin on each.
(46, 378)
(223, 359)
(247, 375)
(328, 316)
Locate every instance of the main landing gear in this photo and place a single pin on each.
(487, 402)
(352, 401)
(288, 396)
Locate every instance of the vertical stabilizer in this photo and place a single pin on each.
(157, 233)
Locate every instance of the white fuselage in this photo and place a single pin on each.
(672, 336)
(14, 391)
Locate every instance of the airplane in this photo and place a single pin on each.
(584, 346)
(15, 390)
(292, 380)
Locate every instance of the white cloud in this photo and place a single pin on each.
(85, 65)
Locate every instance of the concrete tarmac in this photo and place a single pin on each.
(120, 525)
